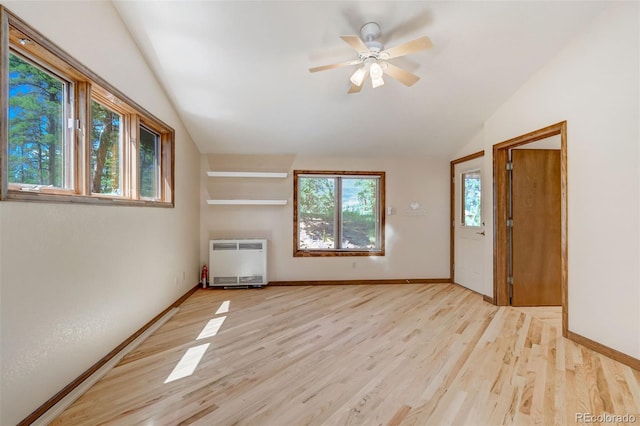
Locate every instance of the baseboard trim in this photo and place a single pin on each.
(484, 296)
(605, 350)
(44, 408)
(488, 299)
(360, 282)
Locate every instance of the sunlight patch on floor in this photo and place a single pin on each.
(190, 360)
(224, 307)
(212, 328)
(188, 363)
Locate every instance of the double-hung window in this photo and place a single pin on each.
(68, 135)
(338, 213)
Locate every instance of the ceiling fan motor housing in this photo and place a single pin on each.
(374, 46)
(370, 31)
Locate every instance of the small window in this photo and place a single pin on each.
(149, 162)
(339, 213)
(471, 199)
(106, 150)
(39, 143)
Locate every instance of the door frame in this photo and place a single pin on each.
(452, 223)
(500, 214)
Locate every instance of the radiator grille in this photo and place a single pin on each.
(225, 280)
(252, 279)
(225, 246)
(250, 246)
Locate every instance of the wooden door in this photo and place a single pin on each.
(536, 232)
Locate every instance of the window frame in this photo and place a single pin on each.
(463, 197)
(124, 148)
(339, 252)
(69, 112)
(86, 87)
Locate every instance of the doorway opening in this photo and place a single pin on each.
(502, 218)
(467, 223)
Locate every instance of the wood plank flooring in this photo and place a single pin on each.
(430, 354)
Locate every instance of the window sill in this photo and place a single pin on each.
(336, 253)
(15, 195)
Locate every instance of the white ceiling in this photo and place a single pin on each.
(237, 71)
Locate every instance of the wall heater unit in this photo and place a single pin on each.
(238, 263)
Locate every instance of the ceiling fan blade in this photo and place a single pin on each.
(356, 43)
(355, 89)
(416, 45)
(404, 77)
(338, 65)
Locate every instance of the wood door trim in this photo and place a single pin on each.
(452, 200)
(500, 212)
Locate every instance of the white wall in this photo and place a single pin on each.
(417, 242)
(77, 280)
(594, 85)
(475, 144)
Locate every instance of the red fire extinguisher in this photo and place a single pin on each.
(204, 277)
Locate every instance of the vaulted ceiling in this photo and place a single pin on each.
(237, 71)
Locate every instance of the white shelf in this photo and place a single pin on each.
(248, 202)
(279, 175)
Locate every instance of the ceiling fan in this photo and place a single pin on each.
(374, 60)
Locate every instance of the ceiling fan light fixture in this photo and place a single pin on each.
(358, 76)
(376, 73)
(377, 82)
(376, 70)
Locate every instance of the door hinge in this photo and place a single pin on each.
(510, 165)
(510, 285)
(509, 223)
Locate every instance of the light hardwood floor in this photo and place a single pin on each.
(430, 354)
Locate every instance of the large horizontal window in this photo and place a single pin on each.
(67, 135)
(338, 213)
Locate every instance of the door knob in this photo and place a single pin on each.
(480, 233)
